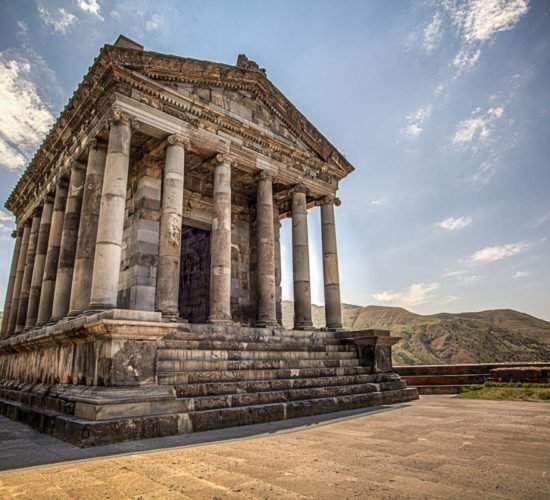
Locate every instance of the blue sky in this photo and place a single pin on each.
(443, 107)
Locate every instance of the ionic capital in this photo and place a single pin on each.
(178, 140)
(299, 188)
(16, 232)
(264, 175)
(37, 212)
(96, 143)
(118, 116)
(329, 199)
(223, 159)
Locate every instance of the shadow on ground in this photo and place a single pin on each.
(21, 446)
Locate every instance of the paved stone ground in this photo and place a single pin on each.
(438, 447)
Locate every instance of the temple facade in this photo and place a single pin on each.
(148, 230)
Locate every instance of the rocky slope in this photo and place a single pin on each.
(480, 337)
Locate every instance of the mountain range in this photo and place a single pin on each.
(472, 337)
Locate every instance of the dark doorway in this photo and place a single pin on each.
(195, 274)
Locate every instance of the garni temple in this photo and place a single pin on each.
(144, 297)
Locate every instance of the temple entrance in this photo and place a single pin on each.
(194, 296)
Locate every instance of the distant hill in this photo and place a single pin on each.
(478, 337)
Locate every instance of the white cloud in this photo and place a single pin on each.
(5, 217)
(433, 33)
(61, 21)
(466, 59)
(449, 299)
(452, 274)
(417, 293)
(415, 120)
(469, 279)
(492, 254)
(480, 20)
(479, 128)
(475, 22)
(25, 117)
(454, 223)
(23, 28)
(484, 173)
(379, 202)
(154, 22)
(521, 274)
(543, 219)
(90, 6)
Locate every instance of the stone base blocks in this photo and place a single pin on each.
(121, 375)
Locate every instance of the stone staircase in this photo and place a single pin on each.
(258, 375)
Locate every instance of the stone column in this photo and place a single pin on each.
(40, 261)
(18, 235)
(265, 269)
(168, 272)
(300, 260)
(110, 228)
(67, 249)
(220, 269)
(27, 274)
(52, 254)
(81, 287)
(19, 276)
(333, 307)
(278, 267)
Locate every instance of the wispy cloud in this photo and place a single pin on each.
(454, 223)
(433, 33)
(416, 294)
(25, 116)
(414, 123)
(479, 127)
(521, 274)
(492, 254)
(540, 221)
(91, 7)
(379, 202)
(60, 21)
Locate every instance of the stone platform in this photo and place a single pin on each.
(122, 375)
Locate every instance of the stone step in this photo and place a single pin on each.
(439, 389)
(432, 380)
(234, 355)
(254, 346)
(269, 397)
(202, 376)
(314, 338)
(164, 366)
(230, 417)
(250, 386)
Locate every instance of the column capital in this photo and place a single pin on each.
(96, 143)
(118, 116)
(223, 158)
(77, 165)
(178, 140)
(37, 212)
(329, 199)
(264, 175)
(299, 188)
(16, 233)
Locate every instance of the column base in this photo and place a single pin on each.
(220, 320)
(265, 324)
(303, 326)
(333, 328)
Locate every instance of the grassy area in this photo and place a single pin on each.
(507, 392)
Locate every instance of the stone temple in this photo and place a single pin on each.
(144, 297)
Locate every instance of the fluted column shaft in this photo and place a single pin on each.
(19, 276)
(300, 260)
(81, 287)
(111, 217)
(39, 261)
(333, 307)
(18, 234)
(220, 271)
(168, 272)
(67, 249)
(265, 241)
(27, 274)
(52, 255)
